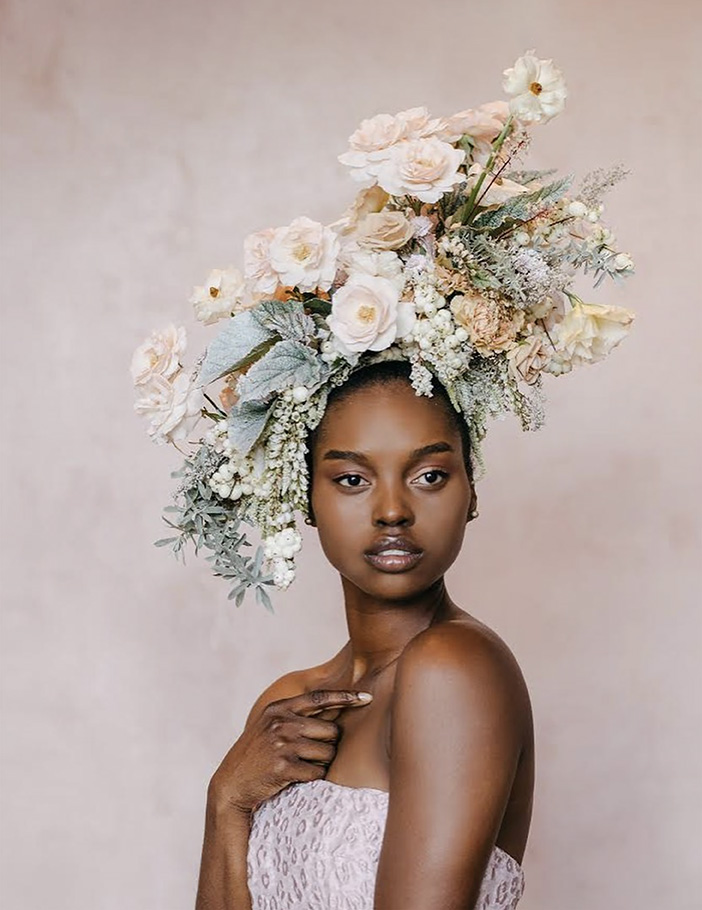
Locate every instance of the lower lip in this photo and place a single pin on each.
(393, 563)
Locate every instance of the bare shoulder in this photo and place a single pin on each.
(468, 658)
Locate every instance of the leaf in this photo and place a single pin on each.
(262, 597)
(165, 541)
(246, 422)
(242, 341)
(286, 363)
(319, 306)
(287, 319)
(522, 207)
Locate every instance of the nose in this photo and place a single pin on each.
(391, 507)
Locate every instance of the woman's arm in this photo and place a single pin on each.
(457, 734)
(223, 876)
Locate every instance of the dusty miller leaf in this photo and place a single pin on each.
(246, 422)
(288, 319)
(242, 341)
(286, 363)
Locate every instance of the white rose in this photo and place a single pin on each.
(259, 274)
(304, 254)
(537, 88)
(221, 296)
(589, 332)
(384, 264)
(384, 231)
(159, 355)
(418, 124)
(367, 314)
(172, 406)
(493, 191)
(424, 168)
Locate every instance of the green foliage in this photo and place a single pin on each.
(286, 364)
(241, 342)
(522, 207)
(203, 520)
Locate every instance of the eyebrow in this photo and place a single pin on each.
(433, 448)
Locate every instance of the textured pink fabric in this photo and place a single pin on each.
(315, 846)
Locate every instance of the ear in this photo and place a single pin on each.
(473, 506)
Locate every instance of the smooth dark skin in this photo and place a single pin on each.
(449, 731)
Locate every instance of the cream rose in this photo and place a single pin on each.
(370, 145)
(260, 275)
(222, 295)
(528, 358)
(384, 231)
(369, 200)
(304, 254)
(383, 264)
(483, 124)
(491, 327)
(159, 355)
(367, 314)
(173, 407)
(589, 332)
(424, 168)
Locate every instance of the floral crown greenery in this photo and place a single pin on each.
(451, 257)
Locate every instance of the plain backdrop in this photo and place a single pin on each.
(141, 142)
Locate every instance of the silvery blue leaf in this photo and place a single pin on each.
(287, 318)
(246, 422)
(240, 342)
(286, 363)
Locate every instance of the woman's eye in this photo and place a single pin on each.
(433, 478)
(352, 480)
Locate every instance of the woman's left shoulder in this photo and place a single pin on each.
(465, 650)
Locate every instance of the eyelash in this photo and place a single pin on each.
(338, 480)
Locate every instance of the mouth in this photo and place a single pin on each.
(394, 555)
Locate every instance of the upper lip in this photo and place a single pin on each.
(392, 542)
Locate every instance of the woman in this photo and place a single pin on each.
(448, 731)
(362, 362)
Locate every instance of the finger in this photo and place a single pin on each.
(313, 750)
(315, 728)
(319, 700)
(306, 770)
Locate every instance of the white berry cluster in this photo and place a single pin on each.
(436, 337)
(280, 550)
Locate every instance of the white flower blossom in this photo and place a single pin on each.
(159, 355)
(423, 168)
(536, 87)
(304, 254)
(172, 406)
(221, 296)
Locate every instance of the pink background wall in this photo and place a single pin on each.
(141, 142)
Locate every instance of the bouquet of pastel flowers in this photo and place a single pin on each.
(452, 257)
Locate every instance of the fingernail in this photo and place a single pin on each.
(364, 696)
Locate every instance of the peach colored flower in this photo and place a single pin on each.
(527, 359)
(493, 191)
(370, 145)
(384, 231)
(492, 327)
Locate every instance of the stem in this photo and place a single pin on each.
(214, 404)
(497, 145)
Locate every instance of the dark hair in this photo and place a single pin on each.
(382, 374)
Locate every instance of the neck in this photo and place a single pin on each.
(379, 629)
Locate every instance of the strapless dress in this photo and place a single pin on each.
(315, 846)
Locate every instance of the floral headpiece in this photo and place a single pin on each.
(451, 257)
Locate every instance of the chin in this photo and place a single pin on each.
(393, 586)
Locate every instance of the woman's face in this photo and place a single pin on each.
(390, 492)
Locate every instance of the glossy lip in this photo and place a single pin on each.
(379, 557)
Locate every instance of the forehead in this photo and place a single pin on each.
(385, 419)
